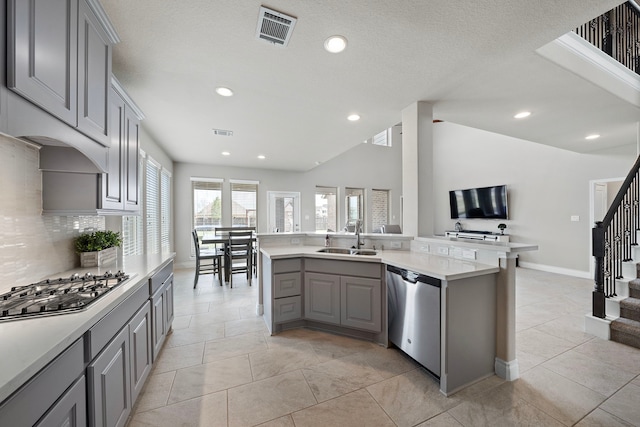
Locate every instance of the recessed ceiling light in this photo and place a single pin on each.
(353, 117)
(522, 114)
(261, 157)
(593, 136)
(226, 153)
(224, 91)
(335, 44)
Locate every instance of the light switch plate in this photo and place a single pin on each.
(443, 250)
(575, 218)
(295, 241)
(424, 248)
(396, 245)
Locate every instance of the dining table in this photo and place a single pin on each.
(220, 236)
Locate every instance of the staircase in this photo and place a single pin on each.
(626, 328)
(616, 295)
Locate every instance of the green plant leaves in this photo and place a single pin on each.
(97, 241)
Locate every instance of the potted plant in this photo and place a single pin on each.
(98, 248)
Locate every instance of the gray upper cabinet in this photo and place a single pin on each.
(42, 54)
(132, 153)
(120, 189)
(59, 58)
(94, 75)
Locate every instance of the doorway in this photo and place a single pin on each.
(284, 211)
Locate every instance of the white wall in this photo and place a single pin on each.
(364, 166)
(32, 246)
(546, 186)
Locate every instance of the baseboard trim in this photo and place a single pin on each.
(553, 269)
(597, 326)
(508, 371)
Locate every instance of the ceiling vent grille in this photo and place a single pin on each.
(275, 27)
(223, 132)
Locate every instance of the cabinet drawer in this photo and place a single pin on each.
(286, 309)
(31, 401)
(158, 279)
(287, 285)
(287, 265)
(344, 268)
(107, 327)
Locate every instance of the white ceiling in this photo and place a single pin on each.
(475, 61)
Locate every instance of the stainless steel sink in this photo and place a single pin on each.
(347, 251)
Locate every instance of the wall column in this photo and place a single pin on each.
(506, 364)
(417, 169)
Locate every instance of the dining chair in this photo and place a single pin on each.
(208, 261)
(239, 254)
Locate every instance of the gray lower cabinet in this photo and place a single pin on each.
(159, 329)
(109, 377)
(350, 297)
(141, 350)
(161, 288)
(53, 396)
(70, 410)
(322, 297)
(361, 303)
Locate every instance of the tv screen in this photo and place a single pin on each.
(485, 202)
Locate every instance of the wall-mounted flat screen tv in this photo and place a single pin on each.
(484, 202)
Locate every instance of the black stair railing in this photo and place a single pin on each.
(617, 33)
(613, 239)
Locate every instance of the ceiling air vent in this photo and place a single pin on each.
(275, 27)
(223, 132)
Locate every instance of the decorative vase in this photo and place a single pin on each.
(99, 258)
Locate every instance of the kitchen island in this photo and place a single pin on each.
(347, 294)
(40, 353)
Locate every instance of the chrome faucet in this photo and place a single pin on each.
(358, 242)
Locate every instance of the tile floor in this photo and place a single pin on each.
(219, 367)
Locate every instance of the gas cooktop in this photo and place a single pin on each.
(57, 296)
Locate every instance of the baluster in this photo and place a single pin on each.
(597, 296)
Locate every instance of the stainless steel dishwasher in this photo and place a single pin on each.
(414, 316)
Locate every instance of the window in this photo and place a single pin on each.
(165, 210)
(207, 203)
(244, 195)
(379, 208)
(154, 222)
(152, 206)
(383, 138)
(354, 205)
(326, 209)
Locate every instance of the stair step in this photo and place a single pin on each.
(634, 288)
(630, 309)
(626, 331)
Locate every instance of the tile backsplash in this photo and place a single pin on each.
(32, 246)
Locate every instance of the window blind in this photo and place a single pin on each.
(244, 203)
(165, 210)
(152, 206)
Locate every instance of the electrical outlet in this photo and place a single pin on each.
(468, 254)
(443, 250)
(575, 218)
(295, 241)
(396, 245)
(424, 248)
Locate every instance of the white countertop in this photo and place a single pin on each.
(28, 345)
(505, 247)
(440, 267)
